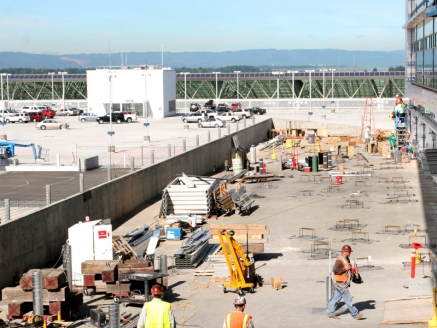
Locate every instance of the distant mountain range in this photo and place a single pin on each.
(261, 57)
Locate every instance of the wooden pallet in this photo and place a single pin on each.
(122, 247)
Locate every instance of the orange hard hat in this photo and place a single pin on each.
(346, 248)
(156, 290)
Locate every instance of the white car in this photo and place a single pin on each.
(17, 117)
(212, 122)
(50, 124)
(66, 112)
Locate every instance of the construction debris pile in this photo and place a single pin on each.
(237, 200)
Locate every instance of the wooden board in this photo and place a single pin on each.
(242, 231)
(114, 288)
(110, 272)
(10, 294)
(237, 226)
(52, 279)
(407, 311)
(95, 266)
(242, 237)
(253, 248)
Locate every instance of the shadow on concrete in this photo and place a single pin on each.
(361, 306)
(268, 256)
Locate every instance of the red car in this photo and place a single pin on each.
(35, 116)
(47, 112)
(236, 106)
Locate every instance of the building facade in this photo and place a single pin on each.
(421, 71)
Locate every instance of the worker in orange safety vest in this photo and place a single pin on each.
(398, 100)
(156, 313)
(238, 319)
(342, 275)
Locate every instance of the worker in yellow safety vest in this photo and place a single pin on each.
(238, 319)
(342, 275)
(156, 313)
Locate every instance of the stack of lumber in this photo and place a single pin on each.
(56, 295)
(107, 276)
(248, 235)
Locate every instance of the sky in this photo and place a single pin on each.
(93, 26)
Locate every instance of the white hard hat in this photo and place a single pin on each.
(393, 132)
(240, 300)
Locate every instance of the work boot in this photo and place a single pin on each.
(334, 317)
(359, 316)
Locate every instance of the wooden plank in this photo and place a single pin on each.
(253, 248)
(243, 237)
(237, 226)
(52, 279)
(110, 273)
(115, 287)
(242, 231)
(10, 294)
(407, 311)
(241, 241)
(136, 263)
(95, 266)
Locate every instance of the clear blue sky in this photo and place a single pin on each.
(79, 26)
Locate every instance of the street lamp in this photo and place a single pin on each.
(238, 87)
(332, 90)
(53, 97)
(278, 73)
(3, 136)
(7, 86)
(216, 85)
(310, 71)
(292, 85)
(185, 89)
(63, 92)
(146, 137)
(323, 106)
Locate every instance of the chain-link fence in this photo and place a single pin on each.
(24, 193)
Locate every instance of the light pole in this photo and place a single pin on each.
(292, 85)
(63, 93)
(3, 136)
(53, 96)
(185, 89)
(323, 106)
(310, 71)
(147, 137)
(332, 90)
(238, 87)
(7, 87)
(216, 86)
(278, 73)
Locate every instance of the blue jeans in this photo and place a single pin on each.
(338, 295)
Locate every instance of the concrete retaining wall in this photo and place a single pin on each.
(34, 240)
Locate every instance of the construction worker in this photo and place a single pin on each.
(343, 273)
(398, 100)
(156, 313)
(238, 319)
(367, 136)
(392, 140)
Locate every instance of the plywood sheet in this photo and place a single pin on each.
(408, 311)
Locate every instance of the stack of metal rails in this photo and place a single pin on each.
(275, 142)
(195, 250)
(238, 200)
(189, 195)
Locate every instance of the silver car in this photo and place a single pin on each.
(212, 122)
(87, 117)
(196, 117)
(17, 117)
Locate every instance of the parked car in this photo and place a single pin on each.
(222, 109)
(229, 117)
(77, 110)
(193, 118)
(66, 112)
(6, 112)
(236, 106)
(17, 117)
(50, 124)
(194, 107)
(212, 122)
(26, 109)
(87, 117)
(208, 113)
(48, 112)
(116, 118)
(243, 112)
(129, 116)
(209, 104)
(35, 116)
(258, 111)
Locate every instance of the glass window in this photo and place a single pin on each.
(419, 31)
(419, 63)
(428, 62)
(429, 28)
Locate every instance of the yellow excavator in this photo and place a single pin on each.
(241, 270)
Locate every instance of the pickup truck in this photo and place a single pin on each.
(207, 113)
(128, 116)
(229, 117)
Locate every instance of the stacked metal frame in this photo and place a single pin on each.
(189, 195)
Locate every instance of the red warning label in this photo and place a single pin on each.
(102, 234)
